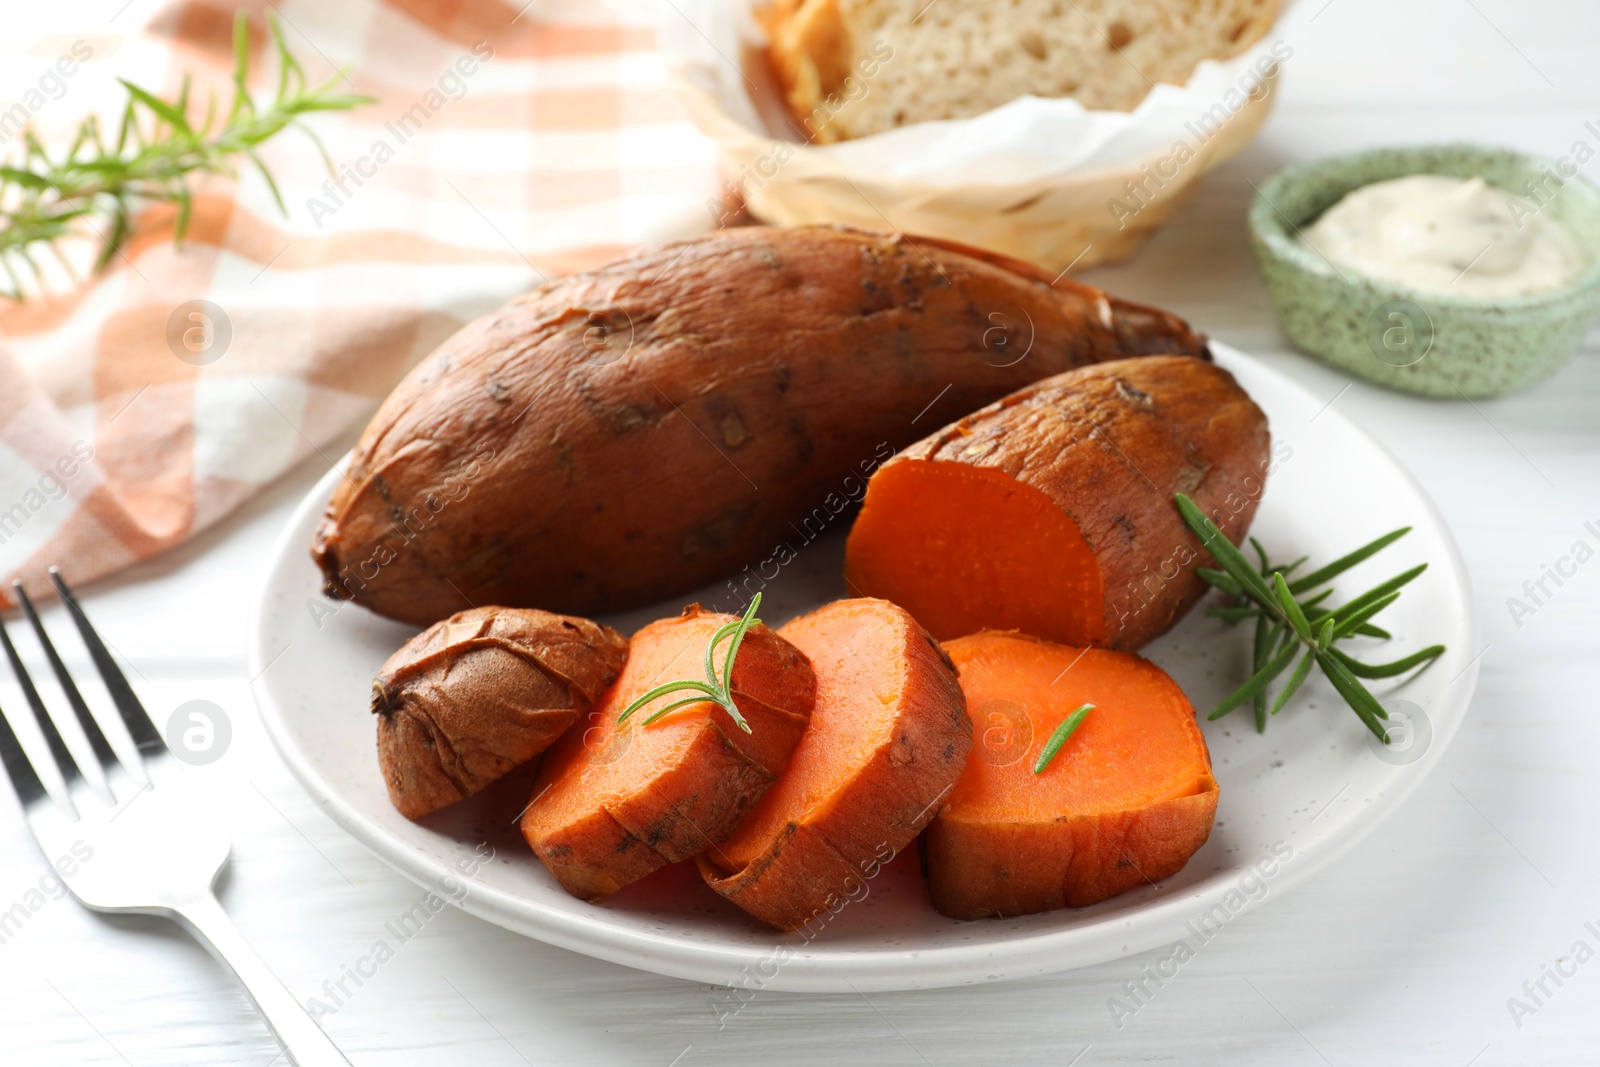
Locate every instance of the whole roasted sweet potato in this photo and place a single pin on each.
(1051, 511)
(475, 695)
(620, 436)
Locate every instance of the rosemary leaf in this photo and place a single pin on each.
(1345, 562)
(1291, 609)
(1350, 625)
(1377, 592)
(1265, 637)
(1221, 579)
(1301, 671)
(1313, 601)
(718, 691)
(1261, 554)
(266, 176)
(1325, 636)
(711, 649)
(1234, 615)
(674, 706)
(169, 114)
(1366, 629)
(748, 621)
(1059, 737)
(706, 691)
(1258, 681)
(1223, 551)
(1387, 670)
(1361, 701)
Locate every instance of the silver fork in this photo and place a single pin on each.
(149, 850)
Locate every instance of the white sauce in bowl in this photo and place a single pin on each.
(1452, 236)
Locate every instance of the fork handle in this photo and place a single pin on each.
(299, 1033)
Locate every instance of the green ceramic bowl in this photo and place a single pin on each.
(1405, 338)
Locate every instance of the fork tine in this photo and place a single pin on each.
(24, 780)
(91, 729)
(134, 717)
(47, 726)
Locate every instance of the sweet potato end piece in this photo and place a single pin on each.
(967, 548)
(480, 693)
(418, 787)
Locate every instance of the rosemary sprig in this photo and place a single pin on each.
(1286, 627)
(100, 183)
(719, 692)
(1059, 736)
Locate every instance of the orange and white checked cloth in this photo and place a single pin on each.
(508, 144)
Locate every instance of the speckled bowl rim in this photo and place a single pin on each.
(1267, 225)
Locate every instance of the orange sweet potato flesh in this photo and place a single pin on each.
(621, 436)
(888, 737)
(1051, 511)
(614, 803)
(1125, 802)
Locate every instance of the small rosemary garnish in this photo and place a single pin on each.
(43, 198)
(1284, 626)
(1058, 738)
(718, 692)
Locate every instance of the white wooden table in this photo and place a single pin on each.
(1405, 951)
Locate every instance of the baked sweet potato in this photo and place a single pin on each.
(617, 437)
(1051, 511)
(613, 803)
(1125, 802)
(888, 737)
(481, 692)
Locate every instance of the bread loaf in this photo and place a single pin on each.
(850, 68)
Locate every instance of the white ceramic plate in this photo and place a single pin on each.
(1291, 800)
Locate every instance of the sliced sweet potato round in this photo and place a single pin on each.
(1125, 802)
(888, 737)
(1051, 511)
(477, 694)
(613, 803)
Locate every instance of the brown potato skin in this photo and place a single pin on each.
(1111, 444)
(599, 844)
(620, 436)
(812, 868)
(481, 692)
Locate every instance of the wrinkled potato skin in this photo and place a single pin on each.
(1112, 444)
(621, 436)
(481, 692)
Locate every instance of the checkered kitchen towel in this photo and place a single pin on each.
(508, 144)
